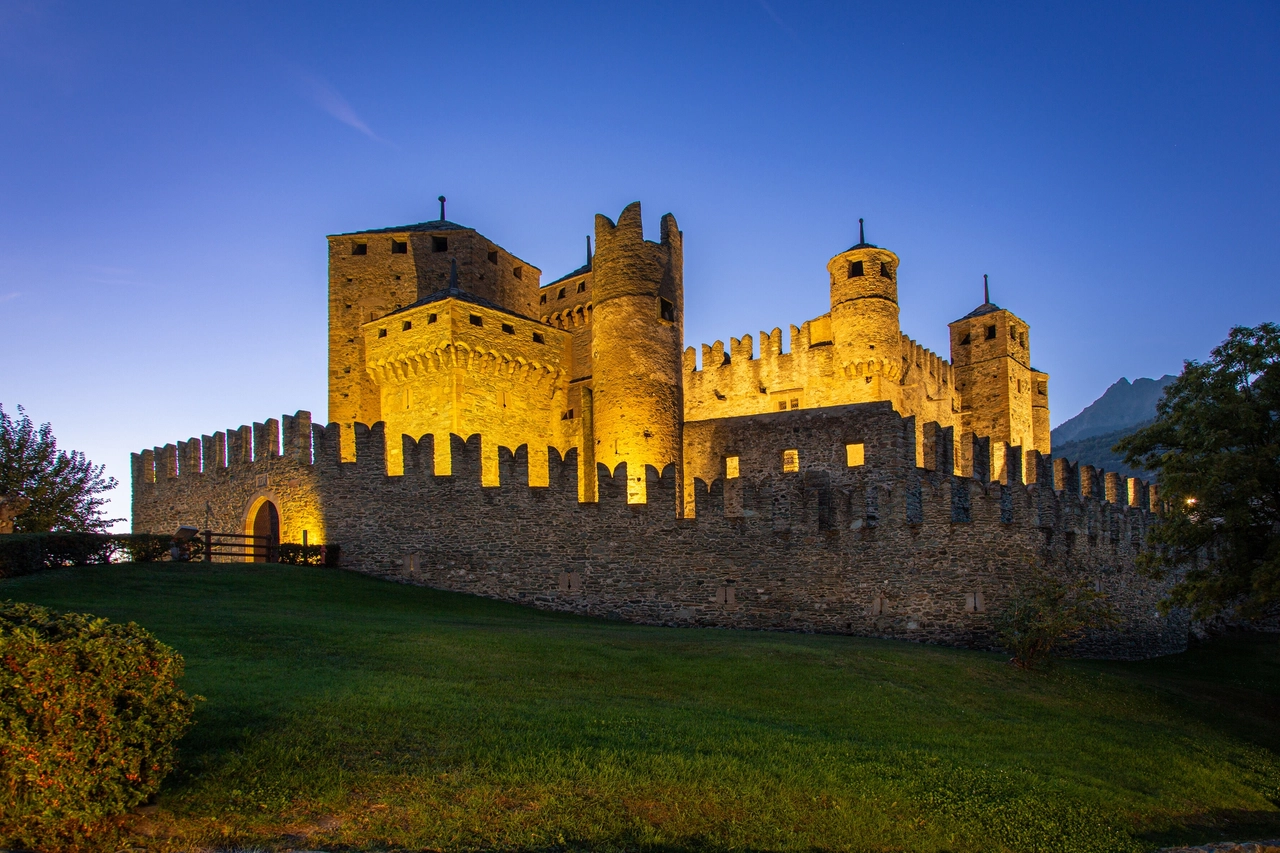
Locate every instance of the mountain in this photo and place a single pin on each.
(1121, 410)
(1124, 406)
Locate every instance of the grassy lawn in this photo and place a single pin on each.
(344, 712)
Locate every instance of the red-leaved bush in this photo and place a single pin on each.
(90, 712)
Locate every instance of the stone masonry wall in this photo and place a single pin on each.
(881, 549)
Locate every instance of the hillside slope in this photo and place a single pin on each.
(1124, 406)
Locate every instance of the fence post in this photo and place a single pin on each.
(208, 546)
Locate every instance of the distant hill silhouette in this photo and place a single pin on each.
(1122, 409)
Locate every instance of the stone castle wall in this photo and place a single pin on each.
(882, 548)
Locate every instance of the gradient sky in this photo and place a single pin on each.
(168, 175)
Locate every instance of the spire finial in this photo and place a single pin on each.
(442, 208)
(986, 291)
(453, 273)
(862, 237)
(588, 251)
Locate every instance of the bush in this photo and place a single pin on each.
(144, 547)
(90, 712)
(1048, 615)
(24, 553)
(292, 554)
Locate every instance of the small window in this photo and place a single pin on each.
(795, 403)
(731, 467)
(543, 299)
(973, 602)
(518, 272)
(477, 320)
(537, 337)
(854, 455)
(855, 269)
(782, 405)
(399, 247)
(493, 257)
(561, 294)
(582, 287)
(666, 310)
(964, 342)
(439, 244)
(991, 333)
(790, 461)
(431, 318)
(508, 329)
(886, 270)
(359, 248)
(382, 333)
(567, 416)
(406, 325)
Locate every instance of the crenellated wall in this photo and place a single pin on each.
(856, 539)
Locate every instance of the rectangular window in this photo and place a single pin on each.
(537, 337)
(795, 403)
(782, 405)
(877, 605)
(567, 416)
(991, 333)
(399, 247)
(508, 329)
(439, 244)
(359, 249)
(855, 269)
(382, 333)
(406, 325)
(964, 342)
(666, 310)
(582, 287)
(477, 320)
(431, 318)
(731, 467)
(886, 271)
(560, 295)
(973, 602)
(518, 272)
(543, 299)
(790, 461)
(493, 257)
(854, 455)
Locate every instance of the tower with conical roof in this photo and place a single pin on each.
(864, 321)
(1004, 397)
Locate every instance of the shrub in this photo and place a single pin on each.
(144, 547)
(90, 712)
(24, 553)
(1048, 615)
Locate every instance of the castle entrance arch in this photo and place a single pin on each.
(264, 522)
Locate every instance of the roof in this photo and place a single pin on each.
(453, 291)
(863, 245)
(433, 225)
(585, 268)
(984, 308)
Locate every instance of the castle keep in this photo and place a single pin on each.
(557, 445)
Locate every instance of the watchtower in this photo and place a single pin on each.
(636, 403)
(1004, 397)
(864, 321)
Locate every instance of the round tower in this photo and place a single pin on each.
(864, 320)
(637, 406)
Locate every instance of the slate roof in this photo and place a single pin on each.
(453, 291)
(585, 268)
(433, 225)
(984, 308)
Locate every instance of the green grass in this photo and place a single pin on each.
(346, 712)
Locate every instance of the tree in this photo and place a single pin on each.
(66, 491)
(1215, 446)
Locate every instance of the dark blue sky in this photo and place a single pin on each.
(168, 175)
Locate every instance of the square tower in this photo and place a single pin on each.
(999, 390)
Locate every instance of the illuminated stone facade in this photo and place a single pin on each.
(557, 445)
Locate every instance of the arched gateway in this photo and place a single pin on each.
(265, 522)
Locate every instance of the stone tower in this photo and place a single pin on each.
(636, 402)
(864, 321)
(1004, 397)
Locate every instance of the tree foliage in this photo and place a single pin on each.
(1215, 446)
(66, 490)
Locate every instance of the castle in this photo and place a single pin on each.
(557, 445)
